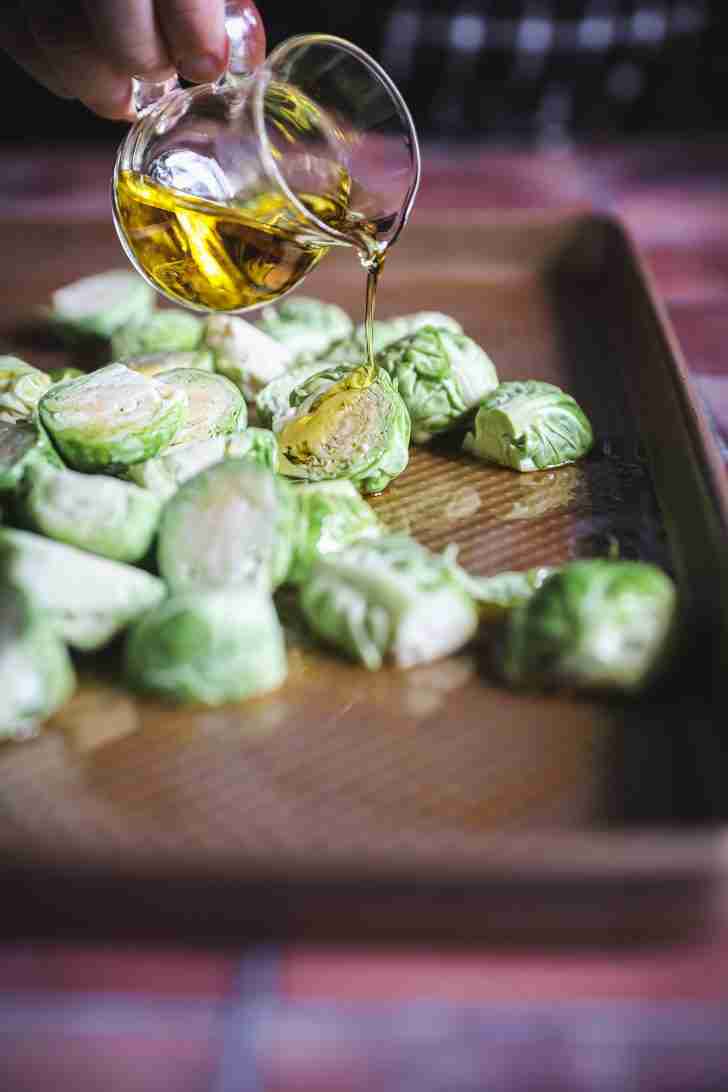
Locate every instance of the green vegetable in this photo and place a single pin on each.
(112, 418)
(307, 327)
(593, 625)
(529, 425)
(208, 646)
(332, 515)
(150, 364)
(36, 675)
(273, 403)
(440, 375)
(100, 304)
(231, 524)
(91, 511)
(496, 595)
(21, 446)
(388, 598)
(89, 599)
(165, 473)
(245, 354)
(386, 331)
(215, 405)
(61, 375)
(167, 331)
(258, 444)
(21, 387)
(362, 434)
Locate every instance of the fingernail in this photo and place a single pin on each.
(201, 68)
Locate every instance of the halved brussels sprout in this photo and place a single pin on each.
(62, 375)
(440, 375)
(332, 515)
(92, 511)
(166, 331)
(258, 444)
(165, 473)
(273, 403)
(388, 598)
(21, 388)
(88, 599)
(209, 646)
(246, 355)
(386, 331)
(100, 304)
(307, 327)
(529, 425)
(346, 423)
(112, 418)
(496, 595)
(150, 364)
(231, 524)
(21, 445)
(593, 625)
(215, 405)
(36, 674)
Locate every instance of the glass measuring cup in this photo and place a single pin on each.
(225, 195)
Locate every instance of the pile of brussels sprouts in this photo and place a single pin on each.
(138, 501)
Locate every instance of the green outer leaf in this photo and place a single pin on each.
(89, 599)
(496, 595)
(208, 646)
(274, 400)
(306, 326)
(159, 332)
(21, 387)
(529, 425)
(21, 446)
(258, 444)
(594, 625)
(353, 349)
(100, 304)
(151, 364)
(332, 515)
(388, 598)
(94, 512)
(247, 356)
(112, 418)
(231, 524)
(36, 674)
(215, 405)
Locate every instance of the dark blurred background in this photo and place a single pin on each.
(524, 70)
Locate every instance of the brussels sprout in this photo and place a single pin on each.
(21, 446)
(165, 473)
(273, 403)
(150, 364)
(258, 444)
(160, 332)
(386, 331)
(36, 674)
(246, 355)
(496, 595)
(345, 424)
(440, 375)
(594, 625)
(332, 515)
(112, 418)
(215, 405)
(529, 425)
(231, 524)
(210, 646)
(100, 304)
(89, 599)
(388, 597)
(62, 375)
(307, 327)
(21, 387)
(91, 511)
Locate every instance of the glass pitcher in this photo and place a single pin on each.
(225, 195)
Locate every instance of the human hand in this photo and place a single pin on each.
(90, 49)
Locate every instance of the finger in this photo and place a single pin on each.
(129, 37)
(64, 37)
(17, 40)
(194, 31)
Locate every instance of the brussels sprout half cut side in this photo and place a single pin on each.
(244, 354)
(100, 304)
(21, 388)
(21, 446)
(215, 406)
(258, 444)
(332, 515)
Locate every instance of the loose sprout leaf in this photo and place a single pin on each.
(150, 364)
(307, 327)
(388, 599)
(440, 375)
(258, 444)
(21, 446)
(593, 625)
(352, 350)
(231, 524)
(36, 674)
(496, 595)
(92, 511)
(21, 388)
(343, 426)
(112, 418)
(165, 473)
(215, 405)
(161, 332)
(100, 304)
(88, 599)
(208, 646)
(244, 354)
(529, 425)
(332, 515)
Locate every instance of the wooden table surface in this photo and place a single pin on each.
(97, 1016)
